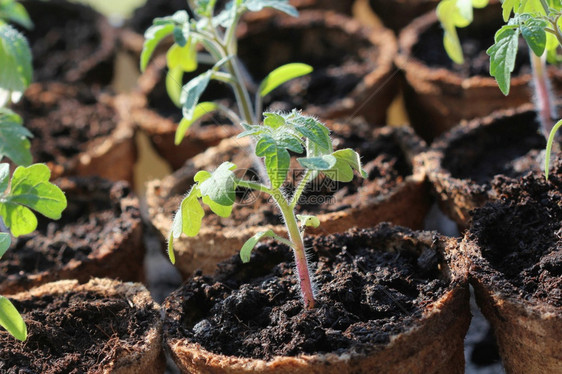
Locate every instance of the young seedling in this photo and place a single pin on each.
(279, 134)
(538, 21)
(29, 187)
(210, 38)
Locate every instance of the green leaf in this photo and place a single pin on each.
(277, 160)
(189, 216)
(325, 162)
(15, 60)
(4, 176)
(153, 36)
(282, 5)
(509, 6)
(174, 84)
(11, 320)
(250, 244)
(13, 138)
(273, 120)
(219, 210)
(502, 56)
(549, 144)
(282, 75)
(220, 187)
(184, 57)
(13, 11)
(308, 221)
(191, 93)
(201, 109)
(30, 188)
(5, 241)
(314, 131)
(171, 254)
(347, 160)
(534, 34)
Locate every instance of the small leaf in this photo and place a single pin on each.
(13, 138)
(508, 6)
(219, 210)
(189, 216)
(549, 144)
(314, 131)
(325, 162)
(201, 109)
(11, 320)
(534, 34)
(250, 244)
(174, 85)
(191, 93)
(171, 254)
(347, 160)
(13, 11)
(282, 75)
(221, 186)
(183, 57)
(153, 36)
(273, 120)
(5, 241)
(277, 160)
(502, 56)
(15, 60)
(309, 221)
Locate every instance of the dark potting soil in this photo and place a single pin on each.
(74, 332)
(475, 41)
(65, 41)
(64, 120)
(93, 216)
(370, 288)
(521, 236)
(510, 146)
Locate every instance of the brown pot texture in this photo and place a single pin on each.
(70, 43)
(438, 93)
(462, 164)
(396, 191)
(99, 235)
(79, 130)
(514, 248)
(103, 326)
(282, 337)
(396, 14)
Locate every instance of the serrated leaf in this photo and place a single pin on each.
(314, 131)
(191, 93)
(502, 56)
(31, 189)
(252, 130)
(273, 120)
(15, 61)
(289, 142)
(549, 143)
(246, 251)
(5, 241)
(325, 162)
(153, 36)
(221, 186)
(11, 320)
(13, 138)
(347, 160)
(534, 34)
(201, 110)
(308, 221)
(277, 160)
(13, 11)
(282, 75)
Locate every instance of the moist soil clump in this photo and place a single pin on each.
(520, 235)
(93, 217)
(64, 120)
(367, 293)
(74, 332)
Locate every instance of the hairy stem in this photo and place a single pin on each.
(543, 97)
(300, 188)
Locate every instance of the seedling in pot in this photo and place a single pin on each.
(28, 188)
(538, 21)
(215, 35)
(279, 135)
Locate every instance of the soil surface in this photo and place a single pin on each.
(64, 120)
(93, 217)
(74, 332)
(66, 43)
(366, 296)
(510, 146)
(521, 236)
(383, 159)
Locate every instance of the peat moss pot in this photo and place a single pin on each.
(514, 246)
(70, 43)
(396, 14)
(439, 93)
(103, 326)
(79, 130)
(462, 164)
(388, 300)
(394, 191)
(99, 234)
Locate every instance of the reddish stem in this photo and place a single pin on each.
(543, 95)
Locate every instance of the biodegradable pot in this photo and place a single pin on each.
(99, 234)
(395, 191)
(514, 246)
(396, 14)
(389, 300)
(79, 130)
(462, 164)
(438, 93)
(103, 326)
(70, 43)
